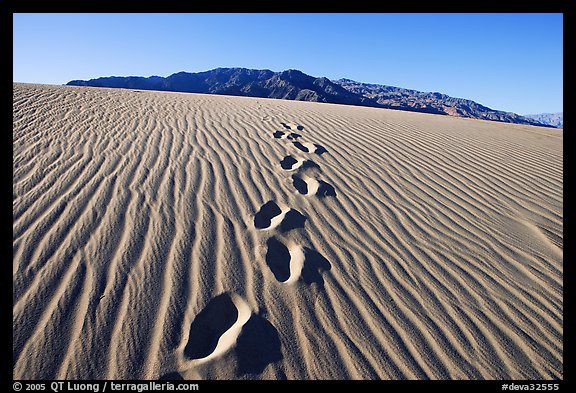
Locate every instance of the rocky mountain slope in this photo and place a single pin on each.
(551, 119)
(412, 100)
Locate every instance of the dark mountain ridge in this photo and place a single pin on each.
(295, 85)
(290, 85)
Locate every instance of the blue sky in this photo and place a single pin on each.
(511, 62)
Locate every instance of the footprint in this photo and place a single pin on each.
(308, 186)
(258, 346)
(290, 163)
(271, 216)
(216, 328)
(291, 126)
(268, 216)
(286, 263)
(293, 219)
(320, 149)
(283, 135)
(309, 147)
(314, 265)
(302, 186)
(290, 263)
(305, 147)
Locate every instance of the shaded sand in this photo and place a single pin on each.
(170, 235)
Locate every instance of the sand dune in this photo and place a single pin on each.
(162, 234)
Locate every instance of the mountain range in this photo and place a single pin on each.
(296, 85)
(551, 119)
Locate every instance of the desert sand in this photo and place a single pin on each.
(167, 235)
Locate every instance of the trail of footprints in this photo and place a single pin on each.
(227, 322)
(290, 262)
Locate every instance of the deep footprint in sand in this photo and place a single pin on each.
(257, 346)
(291, 126)
(306, 185)
(308, 147)
(314, 265)
(292, 262)
(271, 216)
(290, 163)
(283, 135)
(216, 328)
(228, 325)
(285, 263)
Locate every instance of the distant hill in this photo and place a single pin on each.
(295, 85)
(412, 100)
(551, 119)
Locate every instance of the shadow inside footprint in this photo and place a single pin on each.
(309, 164)
(210, 323)
(320, 149)
(325, 189)
(278, 259)
(301, 147)
(292, 220)
(314, 264)
(293, 135)
(286, 126)
(173, 376)
(278, 134)
(300, 185)
(288, 162)
(258, 346)
(263, 219)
